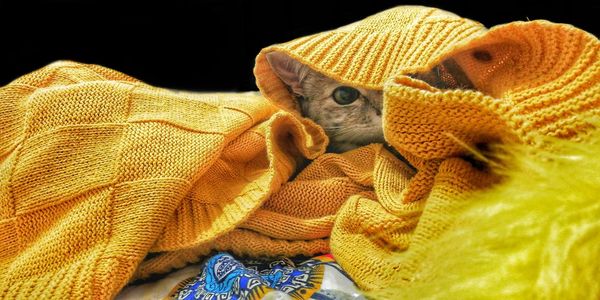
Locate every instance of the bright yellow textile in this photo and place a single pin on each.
(536, 235)
(98, 169)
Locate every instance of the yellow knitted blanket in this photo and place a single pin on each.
(98, 170)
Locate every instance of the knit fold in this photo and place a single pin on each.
(539, 78)
(370, 52)
(106, 169)
(451, 88)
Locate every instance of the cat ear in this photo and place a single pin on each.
(289, 70)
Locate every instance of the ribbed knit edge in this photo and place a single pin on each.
(239, 242)
(554, 90)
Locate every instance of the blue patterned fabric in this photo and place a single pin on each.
(225, 277)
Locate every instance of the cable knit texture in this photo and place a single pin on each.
(99, 169)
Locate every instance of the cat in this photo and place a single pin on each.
(350, 116)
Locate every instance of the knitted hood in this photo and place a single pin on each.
(529, 78)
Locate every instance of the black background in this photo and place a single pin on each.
(210, 45)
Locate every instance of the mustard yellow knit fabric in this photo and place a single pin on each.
(98, 169)
(535, 79)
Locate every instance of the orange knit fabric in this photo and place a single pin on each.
(535, 78)
(98, 169)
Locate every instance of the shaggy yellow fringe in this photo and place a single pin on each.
(535, 236)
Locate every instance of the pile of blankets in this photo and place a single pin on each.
(105, 179)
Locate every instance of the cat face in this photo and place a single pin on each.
(350, 116)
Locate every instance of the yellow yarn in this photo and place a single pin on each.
(98, 169)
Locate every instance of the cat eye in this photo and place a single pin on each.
(345, 95)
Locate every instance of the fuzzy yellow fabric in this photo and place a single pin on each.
(98, 169)
(534, 236)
